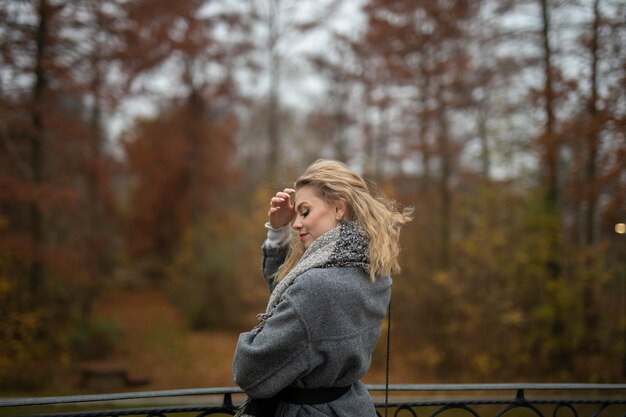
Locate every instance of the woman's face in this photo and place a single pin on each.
(314, 216)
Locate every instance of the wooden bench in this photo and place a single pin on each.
(108, 375)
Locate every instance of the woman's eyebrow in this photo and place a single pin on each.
(299, 205)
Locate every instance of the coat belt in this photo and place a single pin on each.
(310, 396)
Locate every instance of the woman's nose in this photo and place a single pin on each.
(297, 224)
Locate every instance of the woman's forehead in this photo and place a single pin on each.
(300, 194)
(304, 194)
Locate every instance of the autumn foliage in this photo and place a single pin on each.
(140, 143)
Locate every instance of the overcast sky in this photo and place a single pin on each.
(300, 87)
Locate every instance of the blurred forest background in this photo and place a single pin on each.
(140, 142)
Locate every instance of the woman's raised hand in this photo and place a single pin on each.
(282, 209)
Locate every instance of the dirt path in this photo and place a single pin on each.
(158, 345)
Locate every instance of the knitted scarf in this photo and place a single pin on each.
(345, 245)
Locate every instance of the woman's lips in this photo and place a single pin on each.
(302, 235)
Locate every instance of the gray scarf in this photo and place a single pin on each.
(345, 245)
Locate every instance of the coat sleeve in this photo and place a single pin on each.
(275, 250)
(273, 258)
(271, 359)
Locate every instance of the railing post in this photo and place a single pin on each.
(228, 400)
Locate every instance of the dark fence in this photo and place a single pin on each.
(475, 400)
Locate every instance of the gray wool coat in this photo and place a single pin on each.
(322, 334)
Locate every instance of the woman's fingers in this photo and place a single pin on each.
(275, 201)
(285, 195)
(282, 197)
(281, 208)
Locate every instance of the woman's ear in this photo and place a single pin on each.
(340, 210)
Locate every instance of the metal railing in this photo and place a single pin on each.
(449, 400)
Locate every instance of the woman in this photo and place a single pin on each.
(330, 288)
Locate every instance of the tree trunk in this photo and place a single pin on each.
(446, 200)
(195, 106)
(588, 298)
(444, 183)
(550, 145)
(485, 151)
(95, 203)
(424, 121)
(592, 137)
(94, 256)
(273, 122)
(560, 355)
(37, 145)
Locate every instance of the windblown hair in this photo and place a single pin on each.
(377, 216)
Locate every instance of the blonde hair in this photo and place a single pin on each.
(377, 216)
